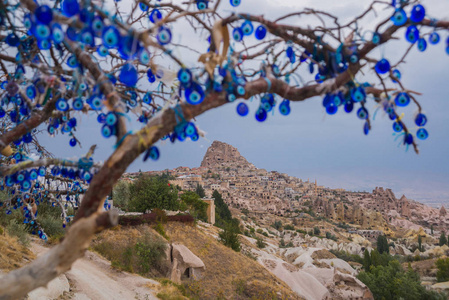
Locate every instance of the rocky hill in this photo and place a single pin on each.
(220, 154)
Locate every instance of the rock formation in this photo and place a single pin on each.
(220, 154)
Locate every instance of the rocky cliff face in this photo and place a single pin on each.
(220, 154)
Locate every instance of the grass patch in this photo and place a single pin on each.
(13, 254)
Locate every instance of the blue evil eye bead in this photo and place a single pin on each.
(362, 113)
(397, 75)
(402, 99)
(408, 139)
(284, 107)
(190, 129)
(87, 176)
(33, 174)
(421, 120)
(41, 171)
(261, 114)
(72, 62)
(44, 14)
(201, 4)
(57, 33)
(147, 98)
(194, 94)
(412, 34)
(331, 109)
(144, 56)
(242, 109)
(12, 40)
(2, 112)
(164, 35)
(195, 137)
(275, 69)
(152, 152)
(240, 90)
(97, 26)
(27, 21)
(237, 34)
(51, 130)
(143, 6)
(354, 58)
(399, 17)
(235, 3)
(101, 118)
(150, 75)
(107, 131)
(111, 119)
(231, 97)
(72, 122)
(70, 7)
(247, 28)
(72, 34)
(62, 105)
(27, 138)
(382, 66)
(25, 186)
(358, 94)
(397, 127)
(44, 44)
(376, 38)
(87, 37)
(434, 38)
(418, 13)
(128, 75)
(31, 92)
(422, 134)
(72, 142)
(110, 37)
(185, 77)
(155, 16)
(102, 51)
(349, 106)
(422, 44)
(42, 32)
(260, 32)
(366, 128)
(77, 104)
(95, 102)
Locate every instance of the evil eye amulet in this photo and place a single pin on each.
(235, 2)
(382, 66)
(418, 13)
(412, 34)
(399, 17)
(260, 32)
(402, 99)
(242, 109)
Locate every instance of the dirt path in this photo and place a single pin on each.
(92, 277)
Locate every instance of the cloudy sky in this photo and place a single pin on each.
(310, 144)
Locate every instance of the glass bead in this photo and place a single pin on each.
(422, 134)
(110, 37)
(397, 127)
(128, 75)
(150, 75)
(399, 17)
(62, 105)
(422, 45)
(260, 32)
(434, 38)
(164, 36)
(247, 27)
(402, 99)
(284, 107)
(194, 94)
(362, 113)
(72, 142)
(421, 119)
(242, 109)
(44, 14)
(70, 7)
(412, 34)
(261, 115)
(382, 66)
(235, 3)
(237, 34)
(397, 74)
(418, 13)
(155, 16)
(202, 4)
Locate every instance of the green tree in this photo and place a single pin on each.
(392, 282)
(260, 243)
(316, 231)
(277, 225)
(443, 269)
(443, 240)
(382, 244)
(200, 191)
(150, 192)
(222, 213)
(121, 194)
(366, 260)
(196, 206)
(229, 236)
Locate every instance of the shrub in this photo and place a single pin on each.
(316, 231)
(196, 206)
(289, 227)
(51, 225)
(18, 230)
(443, 269)
(229, 236)
(160, 229)
(277, 225)
(260, 243)
(331, 236)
